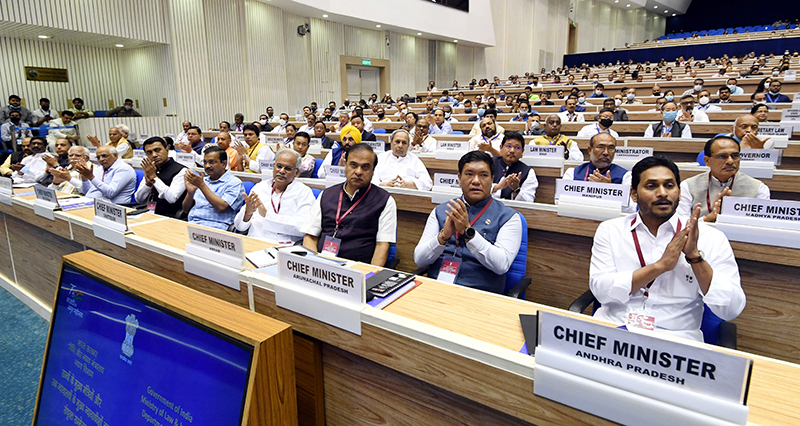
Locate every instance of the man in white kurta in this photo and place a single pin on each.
(277, 207)
(400, 168)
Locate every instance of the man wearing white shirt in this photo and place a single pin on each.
(44, 114)
(113, 180)
(669, 126)
(473, 239)
(163, 187)
(722, 155)
(34, 167)
(58, 131)
(569, 115)
(253, 150)
(183, 136)
(67, 179)
(276, 208)
(513, 179)
(439, 125)
(489, 140)
(399, 168)
(281, 127)
(704, 99)
(604, 122)
(655, 269)
(422, 141)
(689, 113)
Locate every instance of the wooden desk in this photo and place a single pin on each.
(441, 352)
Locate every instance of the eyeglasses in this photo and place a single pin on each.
(609, 148)
(724, 157)
(514, 147)
(279, 166)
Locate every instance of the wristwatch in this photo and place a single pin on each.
(516, 191)
(695, 260)
(469, 233)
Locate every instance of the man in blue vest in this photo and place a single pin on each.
(600, 167)
(471, 240)
(355, 220)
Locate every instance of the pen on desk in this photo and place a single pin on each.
(270, 254)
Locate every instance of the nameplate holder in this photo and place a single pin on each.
(92, 153)
(451, 150)
(110, 222)
(214, 255)
(598, 369)
(186, 159)
(590, 200)
(6, 190)
(315, 146)
(266, 166)
(320, 290)
(757, 169)
(334, 173)
(628, 156)
(46, 202)
(138, 156)
(757, 221)
(778, 134)
(790, 75)
(543, 155)
(377, 146)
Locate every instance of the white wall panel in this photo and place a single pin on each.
(327, 39)
(139, 19)
(93, 73)
(299, 84)
(363, 42)
(423, 65)
(446, 63)
(139, 69)
(402, 58)
(226, 60)
(267, 56)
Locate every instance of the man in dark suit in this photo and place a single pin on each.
(358, 122)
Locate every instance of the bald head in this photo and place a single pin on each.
(224, 140)
(745, 124)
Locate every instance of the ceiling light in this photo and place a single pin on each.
(419, 33)
(655, 7)
(377, 26)
(455, 41)
(616, 1)
(324, 16)
(666, 11)
(119, 45)
(628, 6)
(43, 36)
(674, 14)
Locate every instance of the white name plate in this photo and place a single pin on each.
(778, 210)
(593, 190)
(451, 150)
(186, 159)
(46, 202)
(543, 155)
(272, 140)
(138, 156)
(266, 166)
(627, 153)
(790, 75)
(321, 290)
(768, 155)
(445, 180)
(334, 173)
(790, 114)
(315, 142)
(6, 190)
(641, 370)
(377, 146)
(214, 255)
(778, 134)
(110, 222)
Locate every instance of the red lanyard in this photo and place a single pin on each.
(339, 210)
(280, 200)
(641, 257)
(586, 178)
(708, 190)
(475, 219)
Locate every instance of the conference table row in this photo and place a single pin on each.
(441, 354)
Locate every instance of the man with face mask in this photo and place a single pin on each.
(732, 84)
(399, 168)
(704, 101)
(282, 123)
(598, 91)
(613, 104)
(448, 114)
(524, 111)
(491, 103)
(263, 121)
(698, 86)
(533, 127)
(14, 102)
(689, 113)
(44, 114)
(774, 95)
(126, 110)
(669, 126)
(604, 121)
(14, 130)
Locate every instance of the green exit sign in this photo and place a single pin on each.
(366, 62)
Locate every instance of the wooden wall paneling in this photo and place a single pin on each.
(6, 265)
(309, 379)
(37, 257)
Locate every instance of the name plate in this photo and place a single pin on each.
(544, 151)
(214, 255)
(766, 222)
(637, 371)
(138, 156)
(790, 114)
(452, 146)
(334, 173)
(46, 194)
(320, 289)
(445, 180)
(781, 210)
(627, 153)
(186, 159)
(92, 153)
(773, 130)
(6, 190)
(377, 146)
(315, 142)
(271, 140)
(46, 202)
(266, 166)
(110, 222)
(790, 75)
(767, 155)
(593, 190)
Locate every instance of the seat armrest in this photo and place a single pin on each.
(519, 287)
(582, 302)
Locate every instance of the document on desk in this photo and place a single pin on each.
(263, 258)
(74, 203)
(24, 185)
(382, 302)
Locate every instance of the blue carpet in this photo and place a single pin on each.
(23, 335)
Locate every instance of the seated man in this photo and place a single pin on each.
(358, 122)
(13, 161)
(14, 129)
(253, 150)
(524, 111)
(421, 140)
(277, 222)
(439, 125)
(605, 119)
(194, 141)
(215, 199)
(544, 99)
(669, 126)
(533, 127)
(471, 240)
(689, 113)
(745, 131)
(476, 128)
(569, 115)
(355, 219)
(78, 111)
(553, 136)
(620, 114)
(60, 160)
(600, 167)
(126, 110)
(117, 138)
(319, 133)
(66, 179)
(163, 187)
(114, 180)
(34, 167)
(513, 179)
(400, 168)
(57, 130)
(774, 94)
(307, 161)
(223, 140)
(350, 136)
(723, 157)
(489, 140)
(681, 263)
